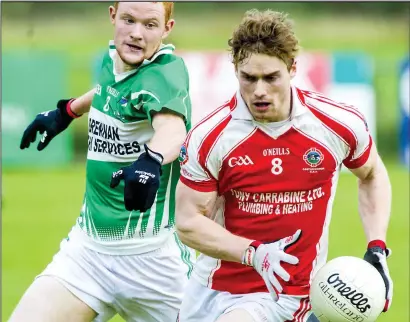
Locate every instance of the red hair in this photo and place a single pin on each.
(168, 6)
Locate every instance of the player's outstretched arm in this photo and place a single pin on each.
(169, 134)
(197, 230)
(374, 196)
(374, 208)
(142, 177)
(82, 104)
(51, 123)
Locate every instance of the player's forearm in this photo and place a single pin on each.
(206, 236)
(375, 202)
(169, 135)
(82, 104)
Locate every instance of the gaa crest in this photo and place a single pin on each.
(183, 155)
(313, 157)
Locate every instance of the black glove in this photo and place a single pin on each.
(141, 180)
(377, 255)
(49, 124)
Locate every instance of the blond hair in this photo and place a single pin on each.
(168, 6)
(267, 32)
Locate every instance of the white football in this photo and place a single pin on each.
(347, 289)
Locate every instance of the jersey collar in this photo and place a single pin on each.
(163, 50)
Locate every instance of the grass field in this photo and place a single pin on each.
(40, 207)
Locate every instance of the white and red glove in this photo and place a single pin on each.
(377, 255)
(266, 258)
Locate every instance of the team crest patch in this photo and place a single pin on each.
(123, 101)
(313, 157)
(183, 155)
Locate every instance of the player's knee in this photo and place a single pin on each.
(237, 315)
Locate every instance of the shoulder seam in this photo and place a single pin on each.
(231, 104)
(351, 141)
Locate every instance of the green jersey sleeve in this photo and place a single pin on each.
(165, 88)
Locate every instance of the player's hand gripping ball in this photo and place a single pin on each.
(347, 289)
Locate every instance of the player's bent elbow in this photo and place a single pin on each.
(183, 235)
(180, 226)
(185, 229)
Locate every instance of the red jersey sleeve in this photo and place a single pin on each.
(359, 149)
(194, 173)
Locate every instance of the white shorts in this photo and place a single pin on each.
(145, 287)
(202, 304)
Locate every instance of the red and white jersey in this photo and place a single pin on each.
(273, 179)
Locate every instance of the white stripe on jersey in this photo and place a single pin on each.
(234, 134)
(165, 217)
(93, 229)
(135, 95)
(127, 227)
(210, 278)
(349, 118)
(306, 308)
(220, 120)
(140, 131)
(151, 219)
(203, 273)
(202, 130)
(250, 130)
(139, 225)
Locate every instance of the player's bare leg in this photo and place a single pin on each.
(47, 300)
(237, 315)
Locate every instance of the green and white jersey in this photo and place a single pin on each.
(119, 124)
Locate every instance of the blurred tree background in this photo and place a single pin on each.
(80, 31)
